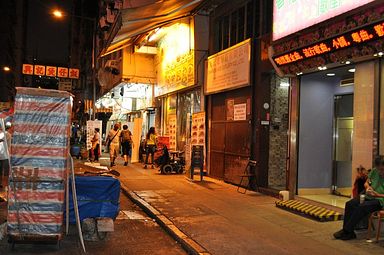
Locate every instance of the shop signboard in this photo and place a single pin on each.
(51, 71)
(311, 12)
(65, 84)
(229, 69)
(355, 37)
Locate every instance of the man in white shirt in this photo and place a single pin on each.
(113, 142)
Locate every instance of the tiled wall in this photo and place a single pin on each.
(363, 116)
(278, 134)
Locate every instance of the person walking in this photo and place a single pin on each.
(113, 142)
(151, 141)
(126, 144)
(96, 144)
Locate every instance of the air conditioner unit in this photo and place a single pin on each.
(347, 82)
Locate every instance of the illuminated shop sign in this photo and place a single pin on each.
(354, 38)
(51, 71)
(290, 16)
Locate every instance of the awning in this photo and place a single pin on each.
(136, 21)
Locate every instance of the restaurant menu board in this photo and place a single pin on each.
(91, 125)
(172, 120)
(198, 129)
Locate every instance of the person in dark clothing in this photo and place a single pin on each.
(356, 210)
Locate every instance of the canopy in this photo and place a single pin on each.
(142, 19)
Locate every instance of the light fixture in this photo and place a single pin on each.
(380, 54)
(155, 35)
(322, 68)
(300, 73)
(352, 70)
(331, 74)
(57, 13)
(347, 62)
(6, 68)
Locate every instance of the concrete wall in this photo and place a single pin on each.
(316, 129)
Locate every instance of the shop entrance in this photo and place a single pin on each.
(326, 135)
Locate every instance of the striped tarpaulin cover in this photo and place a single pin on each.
(39, 150)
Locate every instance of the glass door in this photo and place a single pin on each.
(343, 137)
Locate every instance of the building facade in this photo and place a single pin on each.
(330, 69)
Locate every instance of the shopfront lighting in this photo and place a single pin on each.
(380, 54)
(347, 62)
(6, 68)
(284, 84)
(154, 36)
(322, 68)
(300, 73)
(331, 74)
(352, 70)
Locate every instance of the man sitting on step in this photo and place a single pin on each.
(358, 208)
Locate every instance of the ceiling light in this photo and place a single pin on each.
(300, 73)
(380, 54)
(331, 74)
(375, 55)
(6, 68)
(352, 70)
(347, 62)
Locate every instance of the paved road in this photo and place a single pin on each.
(226, 222)
(135, 233)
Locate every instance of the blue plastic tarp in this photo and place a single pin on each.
(97, 196)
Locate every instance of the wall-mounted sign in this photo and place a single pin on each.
(229, 69)
(240, 112)
(65, 84)
(355, 37)
(311, 12)
(51, 71)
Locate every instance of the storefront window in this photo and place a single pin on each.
(188, 103)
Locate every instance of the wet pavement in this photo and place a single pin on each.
(135, 233)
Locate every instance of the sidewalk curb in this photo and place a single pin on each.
(188, 244)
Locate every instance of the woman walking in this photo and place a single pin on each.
(151, 141)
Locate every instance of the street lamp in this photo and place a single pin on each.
(59, 14)
(6, 68)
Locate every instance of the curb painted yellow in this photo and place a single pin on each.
(316, 212)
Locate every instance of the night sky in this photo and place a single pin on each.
(47, 37)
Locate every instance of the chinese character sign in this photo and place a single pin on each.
(51, 71)
(285, 13)
(39, 70)
(356, 37)
(73, 73)
(27, 69)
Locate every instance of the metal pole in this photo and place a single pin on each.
(94, 71)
